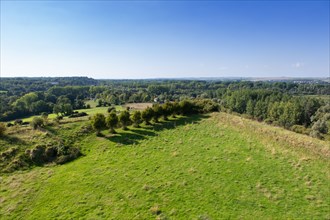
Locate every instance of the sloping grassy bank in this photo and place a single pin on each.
(201, 167)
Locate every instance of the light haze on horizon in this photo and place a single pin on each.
(158, 39)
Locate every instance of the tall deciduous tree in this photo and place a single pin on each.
(63, 106)
(250, 108)
(260, 110)
(291, 115)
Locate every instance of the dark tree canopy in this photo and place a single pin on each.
(124, 119)
(136, 118)
(112, 121)
(98, 122)
(147, 115)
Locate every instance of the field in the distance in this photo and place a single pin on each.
(89, 111)
(201, 167)
(93, 110)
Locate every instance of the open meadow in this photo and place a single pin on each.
(214, 166)
(89, 111)
(192, 110)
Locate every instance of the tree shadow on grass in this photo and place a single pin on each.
(173, 123)
(143, 132)
(126, 138)
(134, 136)
(50, 129)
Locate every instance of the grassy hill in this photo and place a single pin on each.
(202, 167)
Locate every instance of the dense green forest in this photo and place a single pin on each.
(292, 105)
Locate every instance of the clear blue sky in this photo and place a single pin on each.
(150, 39)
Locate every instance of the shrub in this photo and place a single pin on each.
(98, 122)
(276, 123)
(206, 106)
(50, 153)
(158, 112)
(299, 129)
(63, 159)
(136, 119)
(71, 154)
(9, 124)
(147, 114)
(112, 121)
(268, 121)
(155, 210)
(86, 129)
(186, 107)
(78, 114)
(321, 127)
(124, 119)
(37, 154)
(44, 117)
(59, 117)
(316, 134)
(60, 154)
(17, 163)
(167, 110)
(18, 122)
(101, 102)
(175, 109)
(37, 122)
(3, 129)
(110, 109)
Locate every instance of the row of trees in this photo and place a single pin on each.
(154, 113)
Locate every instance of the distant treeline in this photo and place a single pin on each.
(282, 103)
(298, 113)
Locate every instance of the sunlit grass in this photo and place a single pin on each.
(202, 167)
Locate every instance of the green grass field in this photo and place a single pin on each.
(90, 111)
(92, 103)
(216, 166)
